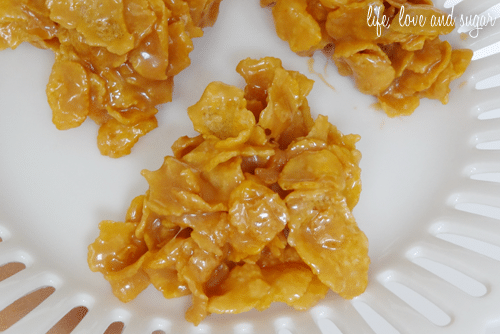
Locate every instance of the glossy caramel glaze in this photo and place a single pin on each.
(254, 210)
(398, 56)
(114, 60)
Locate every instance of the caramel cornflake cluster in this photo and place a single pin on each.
(399, 62)
(114, 59)
(254, 210)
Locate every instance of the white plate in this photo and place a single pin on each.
(421, 186)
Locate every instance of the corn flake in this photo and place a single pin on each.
(114, 59)
(398, 63)
(249, 212)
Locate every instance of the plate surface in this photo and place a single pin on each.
(422, 183)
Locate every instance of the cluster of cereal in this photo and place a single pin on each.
(115, 60)
(256, 209)
(391, 48)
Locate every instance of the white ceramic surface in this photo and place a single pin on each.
(431, 218)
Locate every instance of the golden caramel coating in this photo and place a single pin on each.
(68, 94)
(249, 212)
(114, 59)
(396, 60)
(302, 33)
